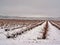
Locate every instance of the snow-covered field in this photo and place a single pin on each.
(32, 36)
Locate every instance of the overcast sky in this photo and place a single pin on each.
(31, 8)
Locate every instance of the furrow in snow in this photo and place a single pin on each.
(45, 30)
(53, 32)
(33, 34)
(54, 24)
(15, 33)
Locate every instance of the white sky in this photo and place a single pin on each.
(30, 8)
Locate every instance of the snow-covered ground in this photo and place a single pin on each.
(33, 34)
(30, 37)
(53, 33)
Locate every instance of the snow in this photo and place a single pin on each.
(57, 25)
(30, 37)
(33, 34)
(53, 33)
